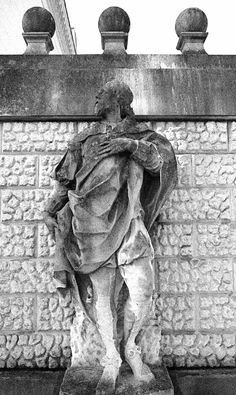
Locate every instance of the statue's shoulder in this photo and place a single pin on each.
(153, 136)
(164, 145)
(142, 127)
(92, 129)
(161, 139)
(131, 126)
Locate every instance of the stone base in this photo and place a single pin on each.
(83, 381)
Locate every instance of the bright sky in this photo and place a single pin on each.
(153, 24)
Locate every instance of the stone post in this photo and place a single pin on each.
(190, 27)
(114, 25)
(39, 27)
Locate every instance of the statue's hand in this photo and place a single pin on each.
(114, 146)
(51, 224)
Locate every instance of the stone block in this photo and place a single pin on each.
(195, 275)
(196, 204)
(17, 240)
(26, 276)
(26, 205)
(215, 239)
(234, 204)
(215, 169)
(217, 312)
(172, 240)
(232, 136)
(37, 137)
(46, 245)
(46, 166)
(16, 313)
(17, 170)
(54, 314)
(195, 136)
(198, 350)
(184, 163)
(83, 381)
(177, 312)
(34, 350)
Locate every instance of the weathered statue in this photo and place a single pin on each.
(110, 186)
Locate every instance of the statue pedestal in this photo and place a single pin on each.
(83, 381)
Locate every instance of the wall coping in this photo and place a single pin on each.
(165, 87)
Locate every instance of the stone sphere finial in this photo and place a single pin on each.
(191, 20)
(39, 27)
(114, 24)
(114, 19)
(190, 27)
(38, 20)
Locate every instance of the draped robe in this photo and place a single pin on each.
(106, 207)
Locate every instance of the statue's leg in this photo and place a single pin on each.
(104, 283)
(119, 320)
(139, 279)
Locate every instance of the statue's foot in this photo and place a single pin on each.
(107, 382)
(140, 370)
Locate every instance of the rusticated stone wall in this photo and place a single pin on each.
(195, 245)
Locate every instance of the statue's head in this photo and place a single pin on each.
(114, 92)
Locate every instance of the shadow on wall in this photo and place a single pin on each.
(26, 382)
(204, 382)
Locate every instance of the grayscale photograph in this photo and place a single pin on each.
(117, 197)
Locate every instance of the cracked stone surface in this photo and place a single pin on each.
(18, 240)
(37, 137)
(35, 350)
(217, 312)
(177, 312)
(215, 239)
(27, 276)
(54, 314)
(198, 350)
(197, 204)
(23, 205)
(16, 313)
(46, 166)
(194, 136)
(215, 169)
(172, 240)
(195, 275)
(17, 170)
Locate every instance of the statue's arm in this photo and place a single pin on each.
(54, 203)
(144, 152)
(64, 176)
(147, 155)
(57, 199)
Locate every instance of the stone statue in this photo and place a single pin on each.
(110, 186)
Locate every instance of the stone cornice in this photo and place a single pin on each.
(63, 28)
(165, 87)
